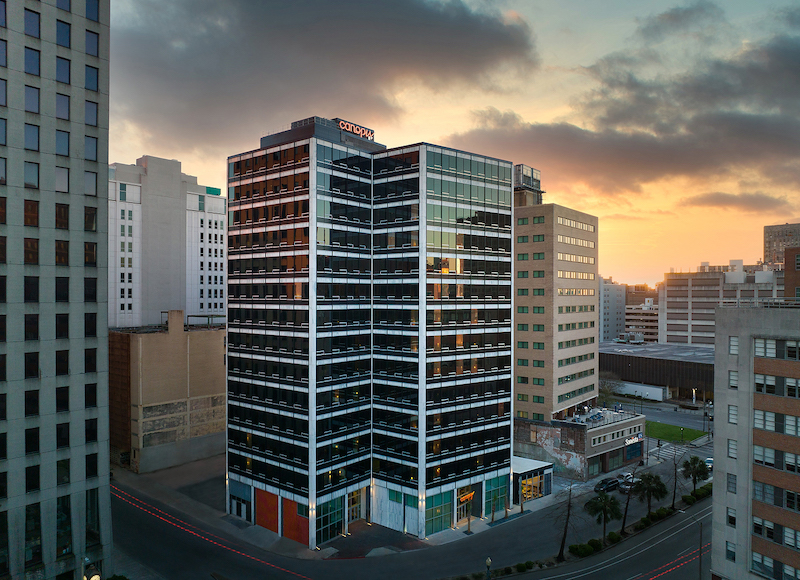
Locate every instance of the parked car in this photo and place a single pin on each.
(608, 484)
(625, 477)
(710, 463)
(627, 486)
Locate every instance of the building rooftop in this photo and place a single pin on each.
(679, 352)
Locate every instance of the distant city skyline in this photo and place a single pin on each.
(676, 123)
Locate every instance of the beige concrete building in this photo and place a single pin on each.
(555, 350)
(643, 319)
(167, 393)
(555, 344)
(687, 299)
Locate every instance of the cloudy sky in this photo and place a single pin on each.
(678, 124)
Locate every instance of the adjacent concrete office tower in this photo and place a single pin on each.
(54, 476)
(777, 239)
(756, 513)
(556, 310)
(612, 309)
(155, 265)
(369, 371)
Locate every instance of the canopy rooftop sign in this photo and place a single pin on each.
(362, 132)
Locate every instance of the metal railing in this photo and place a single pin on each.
(761, 303)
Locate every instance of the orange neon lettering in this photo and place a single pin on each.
(356, 129)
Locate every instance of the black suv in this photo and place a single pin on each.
(607, 484)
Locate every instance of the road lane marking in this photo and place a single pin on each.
(637, 549)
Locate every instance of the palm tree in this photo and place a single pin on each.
(605, 507)
(650, 486)
(695, 469)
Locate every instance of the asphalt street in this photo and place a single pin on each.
(670, 552)
(176, 546)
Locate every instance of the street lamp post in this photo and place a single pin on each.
(681, 435)
(90, 571)
(488, 571)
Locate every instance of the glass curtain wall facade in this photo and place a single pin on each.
(369, 330)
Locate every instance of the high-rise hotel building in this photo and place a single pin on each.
(369, 348)
(54, 477)
(555, 350)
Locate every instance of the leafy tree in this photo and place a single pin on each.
(605, 508)
(648, 487)
(610, 384)
(695, 469)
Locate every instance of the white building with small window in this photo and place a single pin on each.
(166, 244)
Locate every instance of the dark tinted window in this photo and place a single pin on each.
(31, 365)
(90, 360)
(91, 465)
(32, 23)
(31, 403)
(90, 395)
(93, 10)
(62, 362)
(32, 61)
(62, 471)
(31, 289)
(91, 430)
(62, 435)
(90, 219)
(90, 289)
(62, 399)
(32, 440)
(31, 327)
(62, 325)
(62, 33)
(32, 478)
(90, 324)
(62, 289)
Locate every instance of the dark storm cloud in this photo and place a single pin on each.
(790, 16)
(719, 117)
(757, 202)
(198, 73)
(615, 161)
(680, 19)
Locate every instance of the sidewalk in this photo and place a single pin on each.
(171, 487)
(165, 486)
(197, 490)
(126, 566)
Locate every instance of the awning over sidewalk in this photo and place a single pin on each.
(525, 465)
